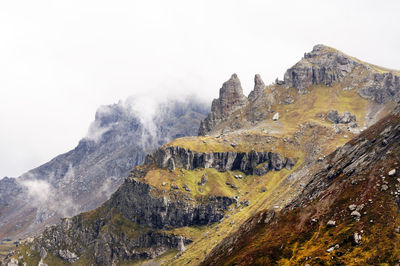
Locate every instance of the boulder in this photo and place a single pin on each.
(331, 223)
(275, 117)
(355, 214)
(333, 116)
(392, 172)
(67, 255)
(357, 238)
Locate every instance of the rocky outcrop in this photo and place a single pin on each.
(74, 238)
(334, 117)
(143, 210)
(138, 203)
(381, 87)
(323, 65)
(230, 99)
(258, 163)
(259, 87)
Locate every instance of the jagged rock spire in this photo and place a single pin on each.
(259, 87)
(231, 98)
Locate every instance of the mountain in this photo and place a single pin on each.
(265, 157)
(83, 178)
(347, 213)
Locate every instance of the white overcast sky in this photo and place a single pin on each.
(60, 60)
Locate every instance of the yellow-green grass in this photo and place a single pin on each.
(206, 237)
(5, 248)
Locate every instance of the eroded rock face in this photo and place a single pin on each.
(107, 246)
(138, 203)
(141, 204)
(172, 157)
(230, 99)
(323, 65)
(381, 88)
(259, 87)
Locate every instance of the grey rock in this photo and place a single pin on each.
(136, 201)
(279, 82)
(203, 180)
(333, 116)
(323, 65)
(331, 223)
(357, 238)
(345, 118)
(355, 214)
(275, 117)
(288, 100)
(257, 163)
(181, 245)
(383, 87)
(230, 99)
(352, 207)
(13, 262)
(68, 255)
(259, 87)
(43, 253)
(41, 263)
(392, 172)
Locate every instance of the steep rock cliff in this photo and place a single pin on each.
(250, 163)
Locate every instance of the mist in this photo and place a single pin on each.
(61, 60)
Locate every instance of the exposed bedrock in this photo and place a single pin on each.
(251, 163)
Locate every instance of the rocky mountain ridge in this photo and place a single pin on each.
(83, 178)
(207, 193)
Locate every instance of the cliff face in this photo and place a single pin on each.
(250, 163)
(230, 99)
(138, 203)
(128, 226)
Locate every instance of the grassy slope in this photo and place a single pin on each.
(320, 99)
(293, 239)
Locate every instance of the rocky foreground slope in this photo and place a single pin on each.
(85, 177)
(256, 159)
(347, 213)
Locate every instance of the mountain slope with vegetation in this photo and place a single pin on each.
(254, 157)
